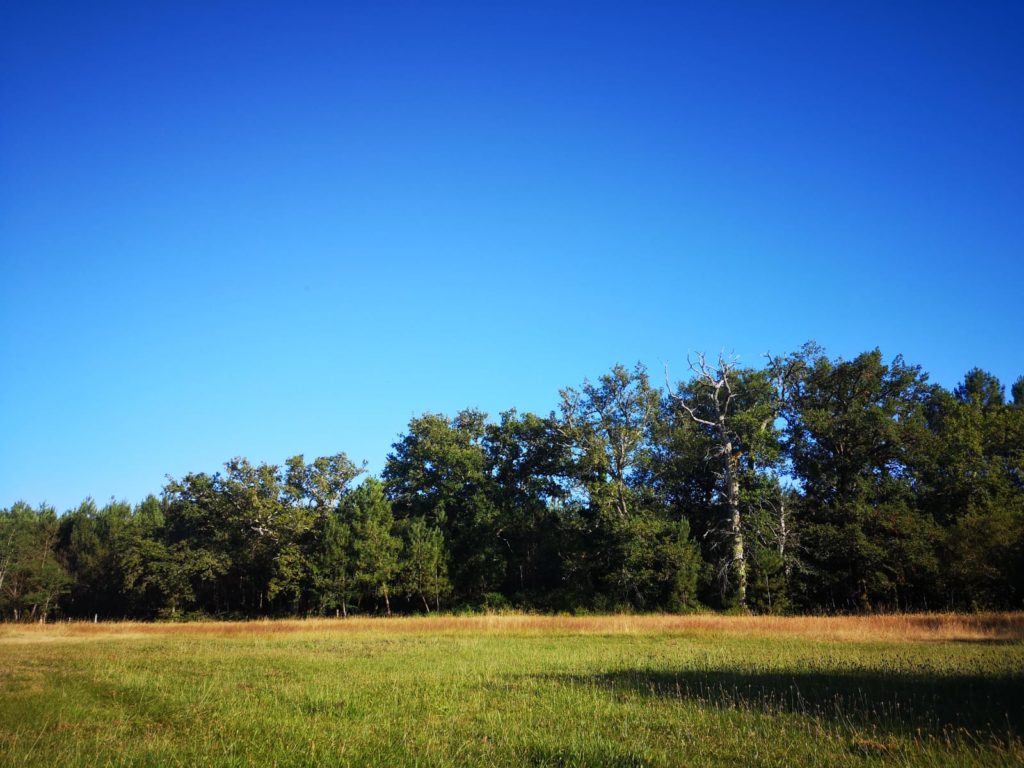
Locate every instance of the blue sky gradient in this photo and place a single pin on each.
(262, 230)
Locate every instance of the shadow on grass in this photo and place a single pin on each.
(975, 706)
(980, 641)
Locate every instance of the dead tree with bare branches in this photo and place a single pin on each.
(709, 403)
(737, 409)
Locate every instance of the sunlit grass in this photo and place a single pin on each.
(518, 690)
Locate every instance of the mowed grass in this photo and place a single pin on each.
(517, 690)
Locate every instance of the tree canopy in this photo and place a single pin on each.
(808, 484)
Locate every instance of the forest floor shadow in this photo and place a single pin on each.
(977, 706)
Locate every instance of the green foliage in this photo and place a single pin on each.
(376, 549)
(810, 484)
(679, 564)
(971, 472)
(1018, 392)
(438, 472)
(853, 427)
(333, 563)
(32, 579)
(425, 571)
(980, 388)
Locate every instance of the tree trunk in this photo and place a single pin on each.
(437, 588)
(387, 602)
(621, 497)
(739, 560)
(784, 538)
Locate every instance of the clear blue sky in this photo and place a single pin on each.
(244, 229)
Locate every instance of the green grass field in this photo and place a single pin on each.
(517, 690)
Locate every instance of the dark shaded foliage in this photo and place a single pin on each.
(810, 484)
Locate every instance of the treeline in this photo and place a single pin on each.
(807, 484)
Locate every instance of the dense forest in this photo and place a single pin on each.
(808, 484)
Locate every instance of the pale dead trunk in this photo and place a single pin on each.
(721, 397)
(437, 587)
(783, 534)
(623, 509)
(5, 561)
(739, 560)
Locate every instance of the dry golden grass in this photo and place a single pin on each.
(888, 627)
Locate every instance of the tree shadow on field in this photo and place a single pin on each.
(981, 641)
(969, 705)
